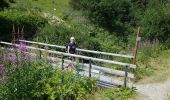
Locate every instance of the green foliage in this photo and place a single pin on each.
(123, 93)
(22, 79)
(140, 4)
(111, 14)
(144, 69)
(156, 21)
(62, 34)
(38, 80)
(64, 86)
(3, 4)
(119, 93)
(142, 72)
(48, 6)
(30, 22)
(55, 34)
(122, 16)
(146, 53)
(93, 39)
(26, 5)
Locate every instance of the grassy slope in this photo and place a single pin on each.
(48, 5)
(160, 66)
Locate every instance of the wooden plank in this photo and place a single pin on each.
(82, 50)
(76, 56)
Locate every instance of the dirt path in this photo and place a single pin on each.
(154, 91)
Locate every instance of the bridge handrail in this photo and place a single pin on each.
(76, 56)
(82, 50)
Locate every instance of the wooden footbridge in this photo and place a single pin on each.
(89, 67)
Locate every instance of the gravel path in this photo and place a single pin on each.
(154, 91)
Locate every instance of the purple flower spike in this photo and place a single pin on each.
(22, 47)
(2, 70)
(12, 58)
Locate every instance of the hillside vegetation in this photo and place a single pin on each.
(101, 25)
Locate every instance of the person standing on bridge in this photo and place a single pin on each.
(71, 48)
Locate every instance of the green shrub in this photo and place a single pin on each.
(30, 80)
(119, 93)
(64, 86)
(58, 35)
(146, 53)
(142, 72)
(3, 4)
(143, 58)
(22, 79)
(122, 16)
(30, 22)
(93, 39)
(111, 14)
(123, 93)
(156, 21)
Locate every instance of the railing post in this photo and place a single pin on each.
(138, 39)
(40, 52)
(62, 64)
(126, 73)
(62, 67)
(100, 56)
(90, 66)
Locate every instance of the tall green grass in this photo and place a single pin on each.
(56, 7)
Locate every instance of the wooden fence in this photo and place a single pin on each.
(81, 50)
(148, 43)
(90, 66)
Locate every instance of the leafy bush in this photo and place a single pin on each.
(22, 79)
(146, 53)
(93, 39)
(58, 35)
(3, 4)
(35, 79)
(122, 16)
(156, 21)
(64, 86)
(111, 14)
(143, 58)
(142, 72)
(30, 22)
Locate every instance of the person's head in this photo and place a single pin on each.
(72, 39)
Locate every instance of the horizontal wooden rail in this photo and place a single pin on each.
(82, 50)
(76, 56)
(95, 67)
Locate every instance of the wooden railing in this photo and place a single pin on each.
(81, 50)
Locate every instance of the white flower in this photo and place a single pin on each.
(15, 90)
